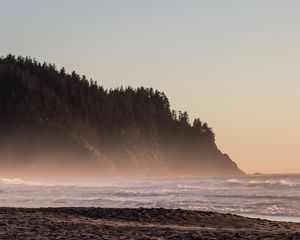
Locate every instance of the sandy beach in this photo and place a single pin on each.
(142, 223)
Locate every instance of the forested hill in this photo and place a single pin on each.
(68, 124)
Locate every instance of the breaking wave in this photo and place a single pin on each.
(234, 182)
(263, 183)
(12, 181)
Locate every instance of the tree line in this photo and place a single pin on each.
(36, 96)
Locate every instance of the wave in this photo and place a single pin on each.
(234, 182)
(129, 193)
(18, 181)
(12, 181)
(255, 196)
(273, 183)
(263, 183)
(177, 190)
(186, 187)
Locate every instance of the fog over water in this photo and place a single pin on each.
(274, 197)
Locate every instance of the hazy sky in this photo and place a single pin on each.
(235, 64)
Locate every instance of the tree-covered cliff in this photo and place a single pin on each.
(51, 119)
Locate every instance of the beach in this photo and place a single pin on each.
(139, 223)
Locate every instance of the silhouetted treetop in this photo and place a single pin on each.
(37, 93)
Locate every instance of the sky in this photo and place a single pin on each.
(234, 64)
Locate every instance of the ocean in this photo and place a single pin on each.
(274, 197)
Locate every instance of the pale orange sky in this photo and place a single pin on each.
(233, 63)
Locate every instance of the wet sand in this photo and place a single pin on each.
(112, 223)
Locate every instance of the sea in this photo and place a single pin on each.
(273, 197)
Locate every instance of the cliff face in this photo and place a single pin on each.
(57, 123)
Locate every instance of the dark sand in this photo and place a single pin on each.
(104, 223)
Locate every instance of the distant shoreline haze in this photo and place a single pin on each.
(60, 124)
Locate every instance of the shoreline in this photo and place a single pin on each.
(139, 223)
(275, 218)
